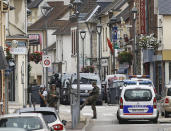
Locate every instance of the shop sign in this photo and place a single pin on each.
(142, 17)
(34, 39)
(104, 62)
(19, 51)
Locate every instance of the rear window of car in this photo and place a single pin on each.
(138, 95)
(29, 123)
(49, 117)
(169, 92)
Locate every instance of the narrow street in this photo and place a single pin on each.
(107, 120)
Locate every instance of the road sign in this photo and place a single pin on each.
(47, 62)
(115, 30)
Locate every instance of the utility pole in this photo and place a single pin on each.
(45, 9)
(99, 30)
(134, 12)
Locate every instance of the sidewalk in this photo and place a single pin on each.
(65, 114)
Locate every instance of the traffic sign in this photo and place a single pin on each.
(47, 62)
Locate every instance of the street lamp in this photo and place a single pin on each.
(83, 35)
(45, 9)
(111, 23)
(75, 107)
(99, 30)
(134, 12)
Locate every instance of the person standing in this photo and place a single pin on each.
(53, 96)
(43, 95)
(92, 99)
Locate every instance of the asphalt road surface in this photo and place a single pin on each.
(107, 121)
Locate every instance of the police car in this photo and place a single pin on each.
(137, 102)
(139, 79)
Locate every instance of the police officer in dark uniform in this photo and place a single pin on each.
(92, 99)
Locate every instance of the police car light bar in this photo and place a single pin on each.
(139, 76)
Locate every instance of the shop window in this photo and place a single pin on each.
(169, 71)
(74, 41)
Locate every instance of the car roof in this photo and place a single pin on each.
(45, 109)
(138, 86)
(12, 129)
(21, 115)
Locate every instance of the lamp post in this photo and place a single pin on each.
(75, 107)
(112, 23)
(99, 30)
(45, 9)
(83, 35)
(134, 12)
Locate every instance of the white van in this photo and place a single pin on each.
(137, 102)
(86, 80)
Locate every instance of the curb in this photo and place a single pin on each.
(86, 125)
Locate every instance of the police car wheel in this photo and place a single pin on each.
(166, 114)
(162, 113)
(155, 120)
(121, 121)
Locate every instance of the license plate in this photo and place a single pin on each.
(137, 110)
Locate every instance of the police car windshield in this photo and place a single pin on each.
(138, 95)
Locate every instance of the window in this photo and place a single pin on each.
(169, 92)
(138, 95)
(49, 117)
(74, 41)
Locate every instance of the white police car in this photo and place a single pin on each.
(137, 102)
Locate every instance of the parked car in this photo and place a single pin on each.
(50, 116)
(12, 129)
(138, 102)
(28, 121)
(165, 102)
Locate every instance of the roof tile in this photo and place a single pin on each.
(164, 7)
(34, 4)
(59, 9)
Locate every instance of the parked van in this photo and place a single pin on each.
(86, 80)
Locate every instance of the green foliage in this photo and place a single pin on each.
(8, 54)
(125, 57)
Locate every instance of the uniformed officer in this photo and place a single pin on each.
(92, 99)
(53, 96)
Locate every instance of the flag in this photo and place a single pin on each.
(110, 45)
